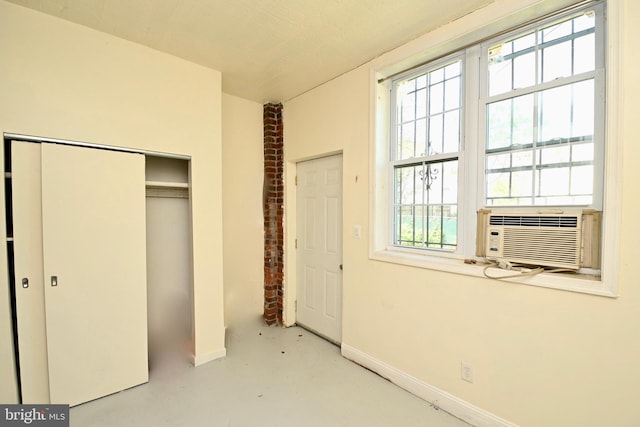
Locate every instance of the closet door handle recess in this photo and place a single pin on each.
(54, 280)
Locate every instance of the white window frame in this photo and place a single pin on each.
(381, 214)
(598, 76)
(439, 157)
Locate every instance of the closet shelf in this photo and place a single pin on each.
(166, 184)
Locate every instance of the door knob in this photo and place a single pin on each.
(340, 266)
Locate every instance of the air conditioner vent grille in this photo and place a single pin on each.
(534, 221)
(544, 247)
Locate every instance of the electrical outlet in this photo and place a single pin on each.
(466, 371)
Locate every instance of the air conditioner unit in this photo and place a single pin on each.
(568, 238)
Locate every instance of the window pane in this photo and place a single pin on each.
(524, 42)
(500, 77)
(524, 70)
(584, 54)
(523, 119)
(434, 177)
(419, 226)
(556, 61)
(436, 128)
(407, 141)
(497, 185)
(582, 180)
(408, 107)
(451, 132)
(582, 152)
(450, 225)
(421, 137)
(408, 86)
(436, 93)
(499, 124)
(556, 31)
(510, 122)
(450, 182)
(435, 227)
(409, 185)
(436, 76)
(499, 161)
(553, 182)
(452, 70)
(452, 94)
(555, 155)
(583, 109)
(522, 184)
(442, 227)
(405, 222)
(555, 113)
(421, 103)
(567, 111)
(522, 158)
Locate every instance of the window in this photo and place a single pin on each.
(541, 119)
(514, 121)
(425, 157)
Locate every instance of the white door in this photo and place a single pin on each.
(319, 255)
(94, 266)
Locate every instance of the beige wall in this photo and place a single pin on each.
(61, 80)
(541, 357)
(242, 178)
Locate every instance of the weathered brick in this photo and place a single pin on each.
(273, 196)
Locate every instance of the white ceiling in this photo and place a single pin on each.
(267, 50)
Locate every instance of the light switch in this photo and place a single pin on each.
(357, 231)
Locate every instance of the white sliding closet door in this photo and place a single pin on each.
(94, 259)
(27, 235)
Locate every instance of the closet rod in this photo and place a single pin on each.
(31, 138)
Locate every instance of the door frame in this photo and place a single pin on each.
(290, 213)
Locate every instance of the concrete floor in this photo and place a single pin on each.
(271, 377)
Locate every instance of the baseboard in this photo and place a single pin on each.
(443, 400)
(202, 359)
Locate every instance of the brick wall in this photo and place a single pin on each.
(273, 199)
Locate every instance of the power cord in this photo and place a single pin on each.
(522, 271)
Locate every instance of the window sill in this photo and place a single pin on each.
(582, 283)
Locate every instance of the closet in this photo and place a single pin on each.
(169, 261)
(80, 221)
(90, 275)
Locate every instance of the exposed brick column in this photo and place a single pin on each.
(273, 199)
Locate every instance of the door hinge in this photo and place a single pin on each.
(295, 243)
(296, 179)
(295, 304)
